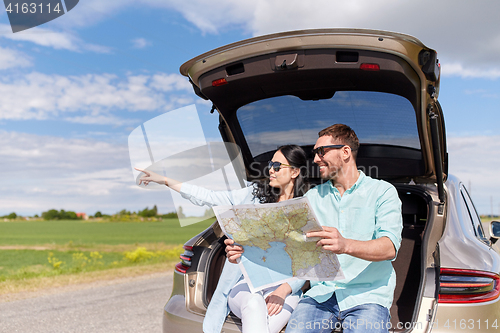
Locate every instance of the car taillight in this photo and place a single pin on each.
(369, 67)
(467, 286)
(219, 82)
(185, 262)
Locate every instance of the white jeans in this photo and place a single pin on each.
(252, 309)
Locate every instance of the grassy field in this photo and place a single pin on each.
(53, 249)
(81, 232)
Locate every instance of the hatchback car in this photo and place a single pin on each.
(283, 89)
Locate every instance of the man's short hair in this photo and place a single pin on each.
(343, 134)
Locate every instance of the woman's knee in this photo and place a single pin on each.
(254, 302)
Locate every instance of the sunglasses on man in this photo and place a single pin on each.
(321, 150)
(277, 165)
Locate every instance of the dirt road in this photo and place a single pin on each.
(127, 305)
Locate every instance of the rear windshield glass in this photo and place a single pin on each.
(377, 118)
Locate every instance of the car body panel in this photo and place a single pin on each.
(460, 247)
(439, 230)
(403, 45)
(467, 317)
(259, 56)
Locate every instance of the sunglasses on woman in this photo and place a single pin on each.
(277, 165)
(321, 150)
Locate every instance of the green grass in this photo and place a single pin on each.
(15, 259)
(75, 246)
(84, 233)
(25, 264)
(72, 242)
(28, 263)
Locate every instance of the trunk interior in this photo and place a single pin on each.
(408, 265)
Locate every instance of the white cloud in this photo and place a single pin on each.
(464, 34)
(41, 96)
(170, 82)
(140, 43)
(11, 58)
(45, 172)
(475, 160)
(206, 15)
(42, 37)
(48, 150)
(211, 16)
(102, 120)
(89, 12)
(53, 39)
(96, 48)
(490, 93)
(457, 69)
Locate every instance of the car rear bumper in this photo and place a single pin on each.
(177, 318)
(468, 317)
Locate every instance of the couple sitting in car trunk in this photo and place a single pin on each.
(362, 223)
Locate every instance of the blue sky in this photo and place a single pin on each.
(73, 89)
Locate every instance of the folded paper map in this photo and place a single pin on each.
(276, 248)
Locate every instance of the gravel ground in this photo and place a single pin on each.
(124, 305)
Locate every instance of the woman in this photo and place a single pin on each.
(269, 309)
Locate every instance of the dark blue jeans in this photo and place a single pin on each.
(313, 317)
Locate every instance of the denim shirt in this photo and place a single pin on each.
(218, 309)
(370, 209)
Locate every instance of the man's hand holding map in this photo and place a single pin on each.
(274, 242)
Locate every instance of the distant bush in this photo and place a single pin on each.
(11, 216)
(59, 215)
(148, 212)
(171, 215)
(145, 214)
(142, 215)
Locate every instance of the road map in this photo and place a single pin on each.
(276, 249)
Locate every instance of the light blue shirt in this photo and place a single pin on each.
(218, 309)
(370, 209)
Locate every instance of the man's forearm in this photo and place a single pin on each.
(373, 250)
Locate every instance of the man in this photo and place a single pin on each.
(362, 223)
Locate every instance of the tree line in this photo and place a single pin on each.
(54, 214)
